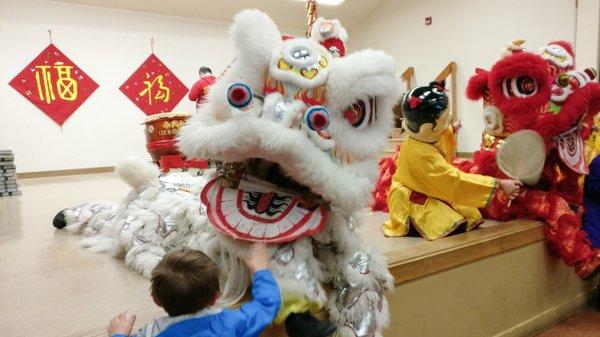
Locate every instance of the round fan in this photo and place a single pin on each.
(522, 156)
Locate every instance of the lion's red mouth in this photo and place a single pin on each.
(256, 209)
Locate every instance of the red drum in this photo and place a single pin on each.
(161, 133)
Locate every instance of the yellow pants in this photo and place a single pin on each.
(431, 217)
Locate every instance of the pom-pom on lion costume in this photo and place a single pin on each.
(544, 93)
(298, 131)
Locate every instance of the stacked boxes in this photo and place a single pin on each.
(8, 176)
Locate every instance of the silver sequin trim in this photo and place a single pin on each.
(366, 326)
(96, 209)
(360, 262)
(165, 226)
(305, 276)
(284, 254)
(348, 296)
(281, 109)
(138, 239)
(128, 221)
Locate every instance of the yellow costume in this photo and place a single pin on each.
(447, 144)
(592, 145)
(432, 195)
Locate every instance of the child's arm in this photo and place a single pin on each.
(266, 299)
(120, 325)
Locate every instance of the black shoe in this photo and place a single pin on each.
(306, 325)
(59, 221)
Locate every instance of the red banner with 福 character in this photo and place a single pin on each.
(54, 84)
(153, 88)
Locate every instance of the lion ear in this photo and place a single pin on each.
(255, 37)
(477, 88)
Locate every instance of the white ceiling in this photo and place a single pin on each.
(286, 13)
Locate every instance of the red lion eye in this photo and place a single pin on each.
(521, 87)
(351, 115)
(356, 113)
(526, 85)
(362, 113)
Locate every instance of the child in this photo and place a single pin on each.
(428, 195)
(186, 284)
(591, 218)
(591, 199)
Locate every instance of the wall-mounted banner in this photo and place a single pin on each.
(55, 84)
(153, 87)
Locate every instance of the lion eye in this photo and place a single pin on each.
(521, 87)
(362, 113)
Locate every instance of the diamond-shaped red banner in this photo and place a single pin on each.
(153, 87)
(55, 84)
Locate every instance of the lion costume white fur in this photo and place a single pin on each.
(160, 213)
(297, 131)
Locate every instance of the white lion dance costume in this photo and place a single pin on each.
(158, 215)
(297, 129)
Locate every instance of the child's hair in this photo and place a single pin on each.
(424, 104)
(185, 281)
(204, 70)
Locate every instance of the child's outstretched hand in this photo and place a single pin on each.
(120, 324)
(257, 257)
(511, 187)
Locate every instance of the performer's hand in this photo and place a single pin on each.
(257, 257)
(511, 187)
(120, 324)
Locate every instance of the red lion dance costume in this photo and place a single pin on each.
(541, 92)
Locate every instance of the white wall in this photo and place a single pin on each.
(108, 45)
(470, 32)
(588, 18)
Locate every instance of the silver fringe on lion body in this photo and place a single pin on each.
(157, 216)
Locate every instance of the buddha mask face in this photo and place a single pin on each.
(431, 132)
(426, 112)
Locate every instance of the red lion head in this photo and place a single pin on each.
(538, 91)
(542, 92)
